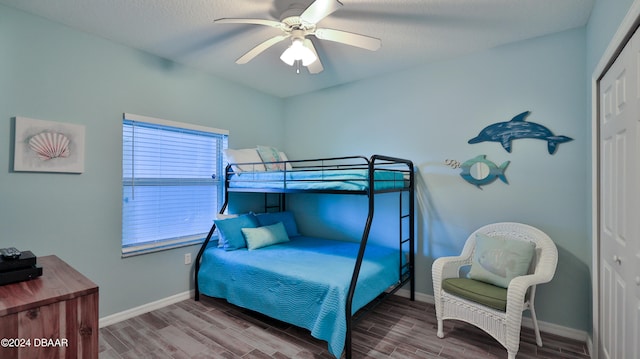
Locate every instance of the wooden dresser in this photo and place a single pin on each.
(52, 316)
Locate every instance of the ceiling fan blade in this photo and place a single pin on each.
(349, 38)
(318, 10)
(260, 48)
(316, 66)
(264, 22)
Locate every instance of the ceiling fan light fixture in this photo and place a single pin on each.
(297, 51)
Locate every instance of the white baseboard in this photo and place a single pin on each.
(145, 308)
(550, 328)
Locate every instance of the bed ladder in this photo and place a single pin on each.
(280, 204)
(406, 238)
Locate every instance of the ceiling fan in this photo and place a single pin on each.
(296, 24)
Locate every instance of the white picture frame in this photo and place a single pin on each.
(48, 146)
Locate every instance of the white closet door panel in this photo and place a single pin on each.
(619, 204)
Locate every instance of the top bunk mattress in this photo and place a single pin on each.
(290, 281)
(325, 179)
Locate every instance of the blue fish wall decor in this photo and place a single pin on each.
(495, 172)
(517, 128)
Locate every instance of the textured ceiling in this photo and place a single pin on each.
(413, 32)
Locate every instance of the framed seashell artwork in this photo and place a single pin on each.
(48, 146)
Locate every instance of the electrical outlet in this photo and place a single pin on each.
(187, 258)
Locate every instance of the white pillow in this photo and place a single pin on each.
(246, 155)
(283, 157)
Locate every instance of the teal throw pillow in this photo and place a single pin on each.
(230, 230)
(498, 260)
(223, 216)
(287, 219)
(265, 236)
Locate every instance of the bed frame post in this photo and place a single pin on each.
(208, 238)
(358, 264)
(412, 233)
(365, 238)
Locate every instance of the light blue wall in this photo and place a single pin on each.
(428, 113)
(604, 21)
(52, 72)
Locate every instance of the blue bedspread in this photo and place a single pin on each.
(347, 180)
(303, 282)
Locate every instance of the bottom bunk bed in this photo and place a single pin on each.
(303, 281)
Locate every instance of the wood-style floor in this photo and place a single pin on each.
(397, 328)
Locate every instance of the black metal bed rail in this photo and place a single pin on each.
(331, 163)
(203, 247)
(330, 171)
(314, 164)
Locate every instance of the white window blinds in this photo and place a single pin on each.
(171, 183)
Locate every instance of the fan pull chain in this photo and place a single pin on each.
(298, 66)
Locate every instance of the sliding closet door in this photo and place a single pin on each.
(620, 206)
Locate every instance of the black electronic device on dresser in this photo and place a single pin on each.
(17, 266)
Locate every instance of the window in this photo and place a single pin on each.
(171, 183)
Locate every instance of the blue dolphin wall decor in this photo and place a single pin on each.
(505, 132)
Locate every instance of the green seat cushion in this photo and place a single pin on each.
(480, 292)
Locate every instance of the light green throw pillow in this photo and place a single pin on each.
(498, 260)
(265, 236)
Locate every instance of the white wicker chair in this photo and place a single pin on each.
(503, 326)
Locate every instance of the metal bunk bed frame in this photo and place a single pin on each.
(406, 221)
